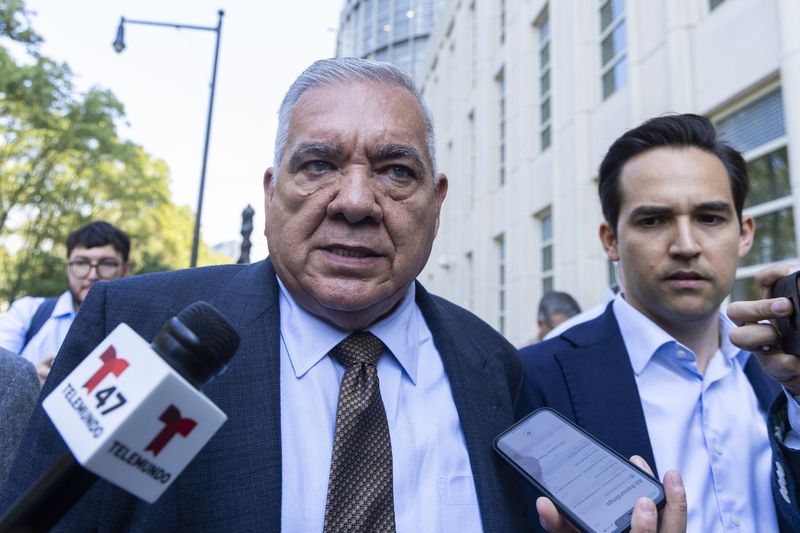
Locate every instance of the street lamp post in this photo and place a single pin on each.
(119, 46)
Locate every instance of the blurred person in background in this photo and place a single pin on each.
(554, 308)
(35, 327)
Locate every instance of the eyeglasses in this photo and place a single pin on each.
(106, 269)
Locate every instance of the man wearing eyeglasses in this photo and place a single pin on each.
(35, 327)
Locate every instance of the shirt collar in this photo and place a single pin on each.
(63, 306)
(308, 338)
(643, 337)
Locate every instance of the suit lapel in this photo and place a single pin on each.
(598, 373)
(765, 388)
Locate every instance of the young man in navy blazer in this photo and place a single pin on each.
(656, 374)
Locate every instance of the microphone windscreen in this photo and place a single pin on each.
(212, 329)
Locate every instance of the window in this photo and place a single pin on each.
(613, 46)
(543, 28)
(501, 128)
(473, 159)
(500, 246)
(501, 19)
(384, 24)
(474, 35)
(369, 34)
(757, 130)
(546, 250)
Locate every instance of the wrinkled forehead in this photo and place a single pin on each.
(365, 110)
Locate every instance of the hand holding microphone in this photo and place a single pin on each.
(131, 414)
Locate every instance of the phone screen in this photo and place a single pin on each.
(593, 484)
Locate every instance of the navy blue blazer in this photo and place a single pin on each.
(586, 375)
(234, 484)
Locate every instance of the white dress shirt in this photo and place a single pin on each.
(15, 322)
(706, 425)
(433, 485)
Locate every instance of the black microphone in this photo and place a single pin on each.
(197, 344)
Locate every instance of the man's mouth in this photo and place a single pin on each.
(357, 253)
(686, 275)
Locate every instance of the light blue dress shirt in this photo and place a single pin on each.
(15, 322)
(433, 484)
(706, 425)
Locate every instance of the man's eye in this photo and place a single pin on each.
(81, 263)
(710, 219)
(649, 222)
(318, 166)
(400, 172)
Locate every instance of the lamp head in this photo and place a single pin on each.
(119, 42)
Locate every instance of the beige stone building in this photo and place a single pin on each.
(527, 95)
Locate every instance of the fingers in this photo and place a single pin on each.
(766, 277)
(645, 517)
(551, 519)
(673, 516)
(43, 369)
(641, 463)
(746, 312)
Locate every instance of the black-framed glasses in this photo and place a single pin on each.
(106, 268)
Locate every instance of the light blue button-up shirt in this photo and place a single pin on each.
(706, 425)
(433, 485)
(15, 322)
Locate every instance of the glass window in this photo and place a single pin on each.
(755, 124)
(774, 238)
(769, 178)
(546, 249)
(613, 46)
(500, 245)
(543, 27)
(610, 10)
(369, 35)
(501, 127)
(384, 24)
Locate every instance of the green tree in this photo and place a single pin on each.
(62, 165)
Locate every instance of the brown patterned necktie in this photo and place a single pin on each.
(360, 495)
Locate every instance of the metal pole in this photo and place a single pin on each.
(196, 239)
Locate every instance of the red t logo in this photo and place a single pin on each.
(111, 365)
(174, 424)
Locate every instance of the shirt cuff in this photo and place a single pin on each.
(792, 437)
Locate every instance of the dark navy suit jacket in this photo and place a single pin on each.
(234, 484)
(586, 375)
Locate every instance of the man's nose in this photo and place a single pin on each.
(356, 199)
(684, 240)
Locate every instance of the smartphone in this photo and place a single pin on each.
(789, 326)
(595, 487)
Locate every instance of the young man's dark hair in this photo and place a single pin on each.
(97, 234)
(677, 131)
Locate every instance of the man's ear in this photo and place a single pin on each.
(440, 192)
(269, 186)
(608, 238)
(746, 235)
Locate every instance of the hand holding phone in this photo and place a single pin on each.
(589, 483)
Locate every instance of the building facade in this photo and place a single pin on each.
(396, 31)
(527, 95)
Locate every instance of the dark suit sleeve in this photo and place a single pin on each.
(786, 468)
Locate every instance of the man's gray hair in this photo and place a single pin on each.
(342, 70)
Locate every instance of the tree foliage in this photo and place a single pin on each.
(62, 165)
